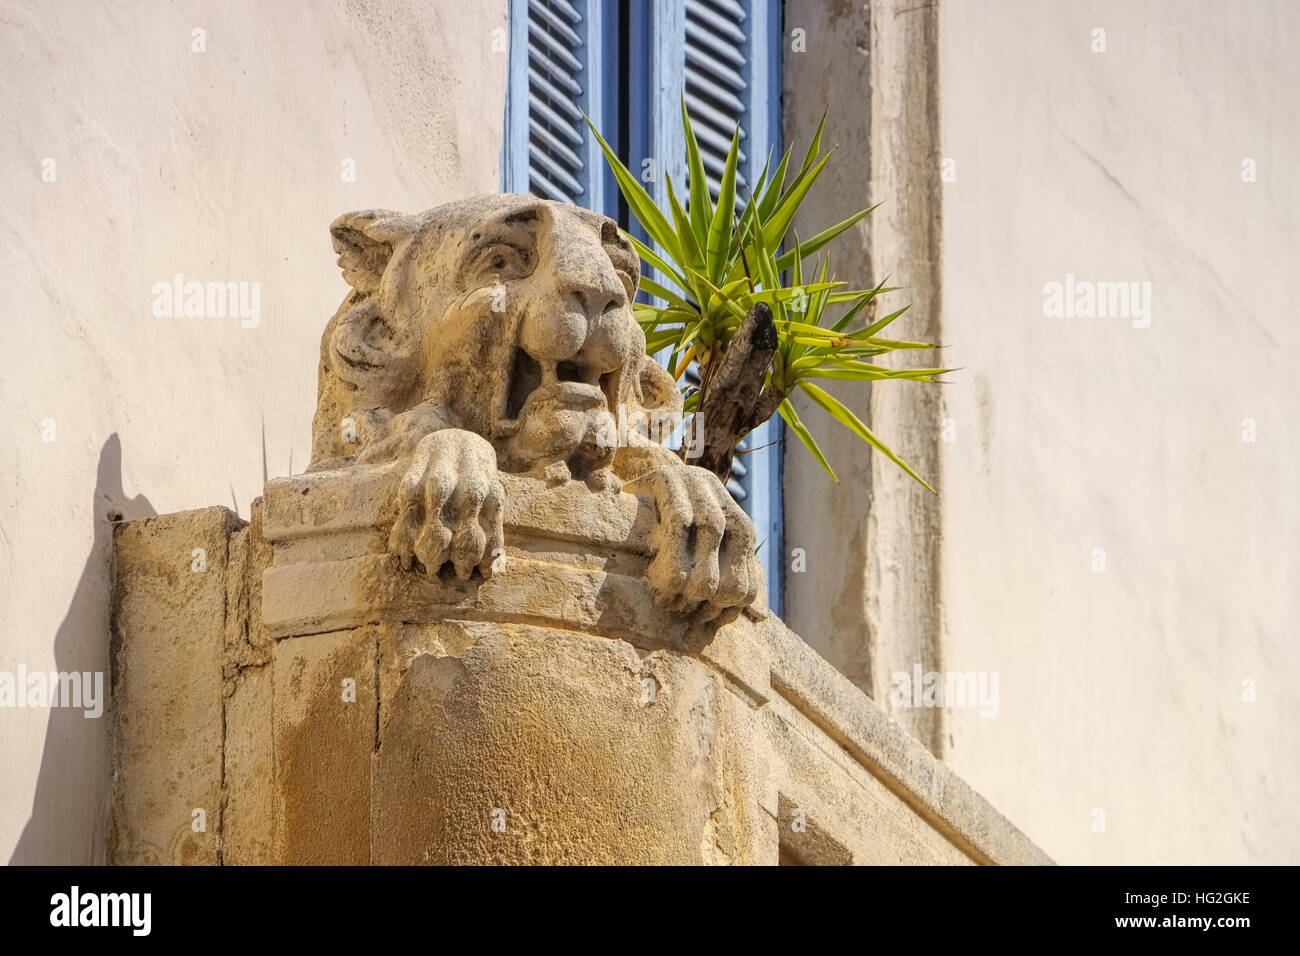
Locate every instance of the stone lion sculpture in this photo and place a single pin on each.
(493, 334)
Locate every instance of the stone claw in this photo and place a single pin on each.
(703, 543)
(449, 506)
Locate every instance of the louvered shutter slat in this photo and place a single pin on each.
(729, 9)
(540, 157)
(556, 49)
(708, 136)
(548, 77)
(703, 114)
(546, 15)
(562, 6)
(565, 123)
(711, 71)
(547, 189)
(703, 18)
(714, 164)
(541, 111)
(724, 48)
(559, 52)
(536, 131)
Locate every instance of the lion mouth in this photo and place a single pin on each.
(565, 385)
(573, 394)
(557, 417)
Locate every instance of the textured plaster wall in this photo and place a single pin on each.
(223, 165)
(1121, 690)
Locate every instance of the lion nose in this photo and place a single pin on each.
(577, 325)
(597, 295)
(583, 272)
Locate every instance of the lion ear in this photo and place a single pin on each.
(364, 242)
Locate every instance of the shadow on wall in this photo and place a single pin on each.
(70, 808)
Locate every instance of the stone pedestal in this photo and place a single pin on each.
(319, 704)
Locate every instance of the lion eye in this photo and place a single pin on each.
(504, 256)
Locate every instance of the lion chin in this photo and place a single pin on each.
(557, 435)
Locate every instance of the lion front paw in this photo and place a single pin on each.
(449, 505)
(703, 543)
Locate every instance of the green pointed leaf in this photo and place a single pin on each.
(847, 375)
(643, 207)
(679, 316)
(762, 259)
(736, 266)
(692, 332)
(796, 268)
(876, 326)
(761, 185)
(787, 412)
(663, 292)
(658, 341)
(720, 229)
(786, 259)
(700, 204)
(720, 296)
(744, 298)
(815, 147)
(800, 337)
(858, 304)
(775, 228)
(846, 417)
(691, 251)
(864, 371)
(773, 194)
(652, 257)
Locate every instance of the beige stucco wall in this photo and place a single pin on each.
(222, 165)
(1121, 690)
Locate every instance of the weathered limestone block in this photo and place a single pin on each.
(555, 737)
(168, 636)
(570, 710)
(324, 730)
(486, 628)
(247, 819)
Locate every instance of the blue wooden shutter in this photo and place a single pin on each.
(563, 63)
(731, 53)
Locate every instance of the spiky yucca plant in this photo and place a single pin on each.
(727, 295)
